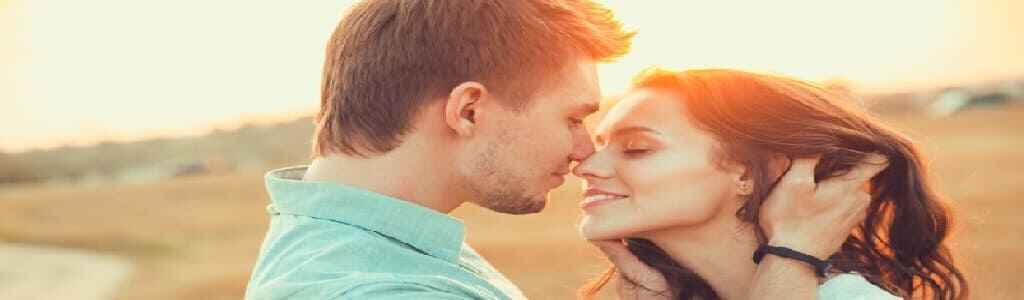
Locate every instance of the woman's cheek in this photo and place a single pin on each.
(675, 191)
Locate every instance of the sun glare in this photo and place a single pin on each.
(83, 71)
(875, 44)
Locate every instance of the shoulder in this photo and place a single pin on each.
(417, 287)
(316, 259)
(374, 286)
(305, 239)
(308, 253)
(852, 286)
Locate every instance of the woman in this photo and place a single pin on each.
(686, 159)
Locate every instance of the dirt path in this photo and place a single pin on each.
(35, 272)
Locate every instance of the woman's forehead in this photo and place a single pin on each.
(643, 108)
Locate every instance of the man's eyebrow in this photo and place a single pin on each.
(587, 108)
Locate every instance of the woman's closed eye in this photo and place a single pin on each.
(636, 152)
(637, 148)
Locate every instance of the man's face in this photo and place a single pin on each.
(528, 153)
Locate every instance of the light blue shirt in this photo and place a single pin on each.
(328, 241)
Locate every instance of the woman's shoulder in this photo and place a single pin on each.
(851, 286)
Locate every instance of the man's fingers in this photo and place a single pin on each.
(867, 167)
(801, 171)
(630, 266)
(617, 252)
(855, 210)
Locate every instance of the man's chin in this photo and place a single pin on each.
(539, 207)
(531, 207)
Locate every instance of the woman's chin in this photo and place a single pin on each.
(593, 229)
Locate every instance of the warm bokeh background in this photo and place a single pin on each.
(196, 237)
(141, 129)
(115, 70)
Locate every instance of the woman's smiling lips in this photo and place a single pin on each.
(594, 197)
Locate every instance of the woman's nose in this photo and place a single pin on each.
(594, 166)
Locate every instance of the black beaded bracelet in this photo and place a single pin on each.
(821, 267)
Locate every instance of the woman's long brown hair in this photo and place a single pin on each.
(900, 246)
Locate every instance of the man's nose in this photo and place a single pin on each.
(582, 148)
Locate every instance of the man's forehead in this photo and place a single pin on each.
(576, 89)
(585, 86)
(579, 98)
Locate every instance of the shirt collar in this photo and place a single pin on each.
(427, 230)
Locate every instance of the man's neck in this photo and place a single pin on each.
(720, 253)
(408, 175)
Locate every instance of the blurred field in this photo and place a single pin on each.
(197, 237)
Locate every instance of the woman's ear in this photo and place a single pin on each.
(741, 176)
(745, 186)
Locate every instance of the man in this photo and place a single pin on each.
(429, 104)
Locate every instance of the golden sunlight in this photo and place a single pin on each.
(875, 44)
(84, 71)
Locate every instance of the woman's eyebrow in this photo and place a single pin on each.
(600, 138)
(634, 129)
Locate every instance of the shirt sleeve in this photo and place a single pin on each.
(852, 287)
(402, 291)
(372, 286)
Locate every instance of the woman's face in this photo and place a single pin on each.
(653, 170)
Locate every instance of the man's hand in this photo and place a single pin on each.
(817, 218)
(811, 218)
(634, 279)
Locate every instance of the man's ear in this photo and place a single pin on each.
(462, 107)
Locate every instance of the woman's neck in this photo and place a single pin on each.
(720, 252)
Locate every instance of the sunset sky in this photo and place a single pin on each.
(76, 72)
